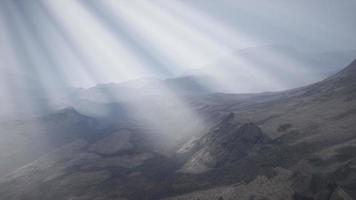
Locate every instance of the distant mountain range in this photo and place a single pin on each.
(258, 69)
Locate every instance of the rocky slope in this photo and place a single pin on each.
(297, 144)
(121, 164)
(227, 143)
(311, 133)
(23, 141)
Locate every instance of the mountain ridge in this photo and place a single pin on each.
(295, 144)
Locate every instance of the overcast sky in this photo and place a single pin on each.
(311, 25)
(81, 43)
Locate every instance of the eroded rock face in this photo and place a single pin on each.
(225, 144)
(116, 142)
(202, 161)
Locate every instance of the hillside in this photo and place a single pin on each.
(296, 144)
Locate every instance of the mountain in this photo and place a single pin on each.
(140, 88)
(295, 144)
(113, 166)
(308, 153)
(256, 69)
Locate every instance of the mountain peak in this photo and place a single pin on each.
(67, 110)
(68, 113)
(352, 66)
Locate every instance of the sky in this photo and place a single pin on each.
(309, 25)
(82, 43)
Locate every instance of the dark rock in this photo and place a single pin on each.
(225, 145)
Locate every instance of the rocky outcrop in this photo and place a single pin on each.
(226, 144)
